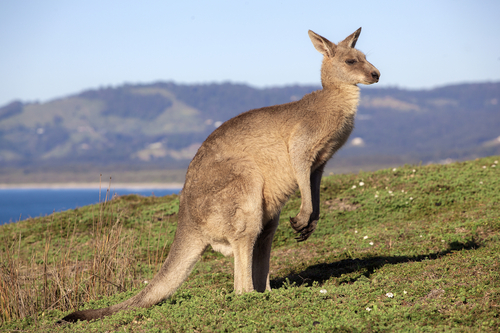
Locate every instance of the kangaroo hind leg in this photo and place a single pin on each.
(262, 255)
(246, 226)
(242, 250)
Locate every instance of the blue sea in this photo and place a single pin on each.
(20, 204)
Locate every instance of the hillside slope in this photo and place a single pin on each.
(407, 249)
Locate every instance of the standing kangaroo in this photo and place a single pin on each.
(246, 170)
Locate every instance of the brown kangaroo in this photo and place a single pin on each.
(246, 170)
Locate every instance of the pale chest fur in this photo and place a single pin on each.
(338, 122)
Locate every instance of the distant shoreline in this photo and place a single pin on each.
(103, 186)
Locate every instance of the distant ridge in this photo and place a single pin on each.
(163, 123)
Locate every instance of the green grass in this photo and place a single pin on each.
(427, 236)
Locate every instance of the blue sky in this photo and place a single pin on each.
(50, 49)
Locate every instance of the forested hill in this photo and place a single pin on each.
(164, 123)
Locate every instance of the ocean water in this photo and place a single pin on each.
(20, 204)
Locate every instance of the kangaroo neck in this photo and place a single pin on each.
(336, 87)
(344, 96)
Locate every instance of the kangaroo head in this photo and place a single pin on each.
(342, 63)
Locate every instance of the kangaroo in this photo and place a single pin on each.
(246, 170)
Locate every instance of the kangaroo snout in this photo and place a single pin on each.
(372, 75)
(375, 75)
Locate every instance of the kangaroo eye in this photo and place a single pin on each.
(351, 61)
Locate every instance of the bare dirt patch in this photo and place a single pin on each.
(340, 204)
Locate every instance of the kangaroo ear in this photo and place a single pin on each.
(351, 40)
(323, 45)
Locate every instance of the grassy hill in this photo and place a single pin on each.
(407, 249)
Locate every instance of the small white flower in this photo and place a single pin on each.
(323, 291)
(405, 292)
(390, 192)
(361, 183)
(414, 170)
(371, 243)
(402, 191)
(390, 295)
(368, 309)
(421, 236)
(411, 198)
(394, 170)
(355, 231)
(365, 237)
(496, 162)
(442, 240)
(376, 195)
(481, 183)
(145, 282)
(353, 186)
(493, 165)
(484, 166)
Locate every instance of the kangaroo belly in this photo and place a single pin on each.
(223, 247)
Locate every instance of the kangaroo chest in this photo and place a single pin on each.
(335, 137)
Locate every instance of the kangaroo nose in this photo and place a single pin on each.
(375, 75)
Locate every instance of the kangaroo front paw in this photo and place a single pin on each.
(307, 231)
(297, 225)
(303, 229)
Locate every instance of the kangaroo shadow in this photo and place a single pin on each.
(322, 272)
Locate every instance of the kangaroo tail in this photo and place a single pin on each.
(184, 253)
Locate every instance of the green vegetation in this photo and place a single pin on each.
(405, 249)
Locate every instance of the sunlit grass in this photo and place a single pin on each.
(408, 248)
